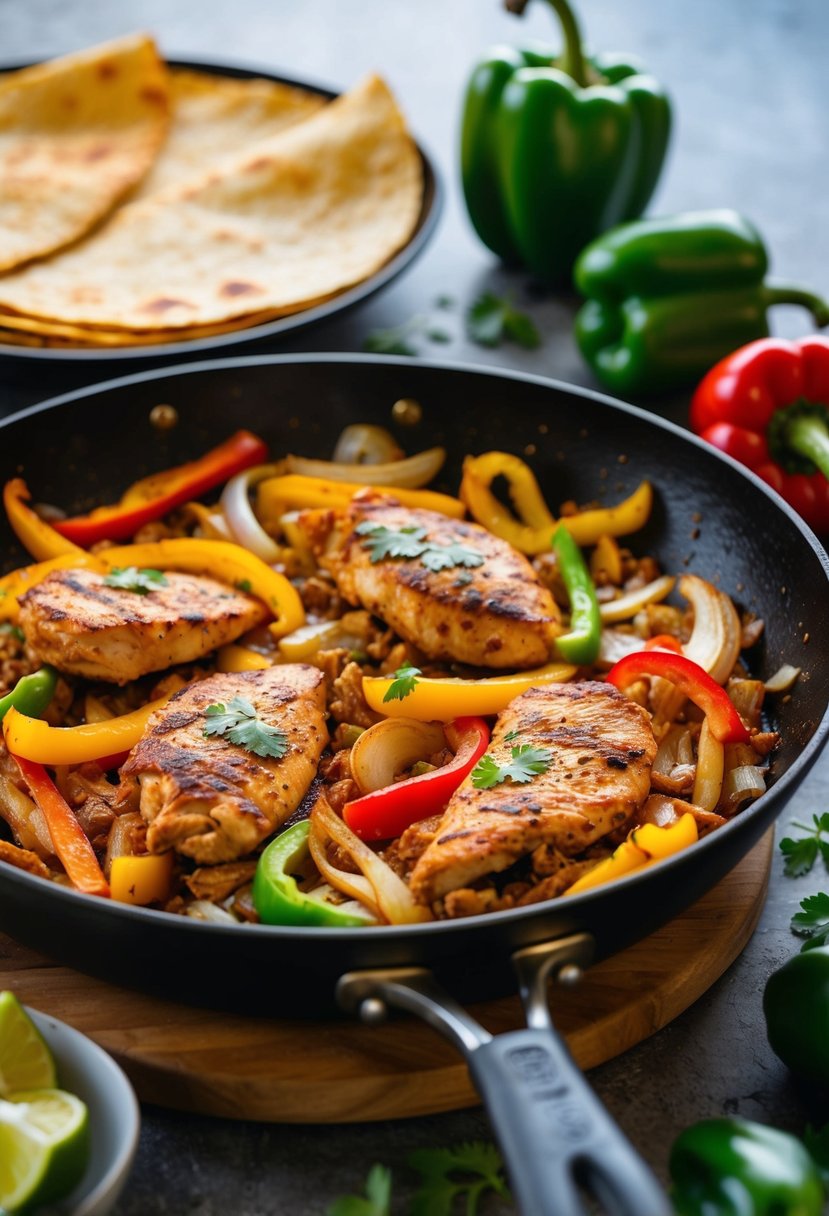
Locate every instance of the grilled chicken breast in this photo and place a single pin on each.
(212, 799)
(495, 614)
(602, 750)
(76, 622)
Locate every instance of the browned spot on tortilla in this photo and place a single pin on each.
(107, 70)
(261, 162)
(98, 152)
(69, 101)
(240, 289)
(164, 303)
(155, 96)
(85, 295)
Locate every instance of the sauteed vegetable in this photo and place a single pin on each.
(332, 698)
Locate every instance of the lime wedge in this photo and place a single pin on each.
(25, 1060)
(44, 1147)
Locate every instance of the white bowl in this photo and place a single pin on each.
(86, 1070)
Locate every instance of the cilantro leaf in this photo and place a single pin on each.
(445, 301)
(526, 763)
(465, 1172)
(410, 544)
(390, 342)
(801, 852)
(813, 921)
(377, 1199)
(817, 1145)
(240, 724)
(511, 736)
(435, 334)
(491, 319)
(404, 682)
(130, 578)
(444, 557)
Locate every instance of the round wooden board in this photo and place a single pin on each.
(332, 1072)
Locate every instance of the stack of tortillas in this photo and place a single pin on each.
(140, 204)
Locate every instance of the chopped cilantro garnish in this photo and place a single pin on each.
(511, 736)
(240, 724)
(375, 1202)
(491, 319)
(244, 584)
(404, 682)
(410, 544)
(13, 630)
(527, 762)
(130, 578)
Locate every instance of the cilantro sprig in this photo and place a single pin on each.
(130, 578)
(375, 1202)
(813, 921)
(239, 723)
(405, 681)
(410, 543)
(527, 762)
(491, 319)
(801, 852)
(465, 1173)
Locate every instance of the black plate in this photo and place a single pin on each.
(431, 207)
(710, 517)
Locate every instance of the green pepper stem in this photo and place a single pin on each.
(571, 60)
(785, 293)
(808, 436)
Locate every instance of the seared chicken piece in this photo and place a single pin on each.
(602, 750)
(494, 614)
(76, 622)
(214, 800)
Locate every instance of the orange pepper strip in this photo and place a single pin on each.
(38, 537)
(68, 838)
(33, 739)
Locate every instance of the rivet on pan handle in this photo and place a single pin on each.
(559, 1143)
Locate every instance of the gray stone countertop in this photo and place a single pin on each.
(748, 82)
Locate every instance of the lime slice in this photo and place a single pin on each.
(44, 1147)
(25, 1060)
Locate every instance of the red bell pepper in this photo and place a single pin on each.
(156, 495)
(723, 720)
(68, 838)
(767, 405)
(385, 813)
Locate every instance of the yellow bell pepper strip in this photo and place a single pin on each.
(146, 879)
(294, 491)
(695, 683)
(71, 845)
(442, 699)
(220, 559)
(37, 537)
(13, 585)
(35, 740)
(156, 495)
(530, 533)
(240, 658)
(643, 847)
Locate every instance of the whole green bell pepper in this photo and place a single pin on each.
(796, 1006)
(556, 148)
(667, 298)
(277, 896)
(732, 1167)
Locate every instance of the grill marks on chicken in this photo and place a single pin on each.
(497, 614)
(602, 750)
(215, 801)
(75, 621)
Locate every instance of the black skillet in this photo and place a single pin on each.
(710, 517)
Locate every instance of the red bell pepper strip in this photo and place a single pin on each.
(68, 838)
(724, 722)
(160, 493)
(767, 405)
(385, 813)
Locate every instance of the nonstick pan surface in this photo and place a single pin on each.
(710, 517)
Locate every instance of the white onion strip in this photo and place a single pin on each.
(410, 473)
(783, 678)
(716, 636)
(741, 784)
(709, 775)
(628, 605)
(389, 747)
(241, 520)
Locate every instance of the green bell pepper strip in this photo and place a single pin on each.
(796, 1007)
(276, 894)
(31, 694)
(667, 298)
(581, 643)
(556, 148)
(733, 1167)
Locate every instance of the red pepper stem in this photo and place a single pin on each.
(786, 293)
(571, 59)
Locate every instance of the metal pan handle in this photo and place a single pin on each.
(560, 1145)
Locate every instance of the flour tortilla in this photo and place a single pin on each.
(75, 135)
(290, 221)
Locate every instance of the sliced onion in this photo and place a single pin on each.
(390, 747)
(203, 909)
(408, 474)
(361, 443)
(716, 637)
(783, 678)
(120, 839)
(351, 907)
(747, 697)
(741, 784)
(615, 645)
(377, 886)
(709, 776)
(629, 604)
(245, 527)
(26, 820)
(667, 754)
